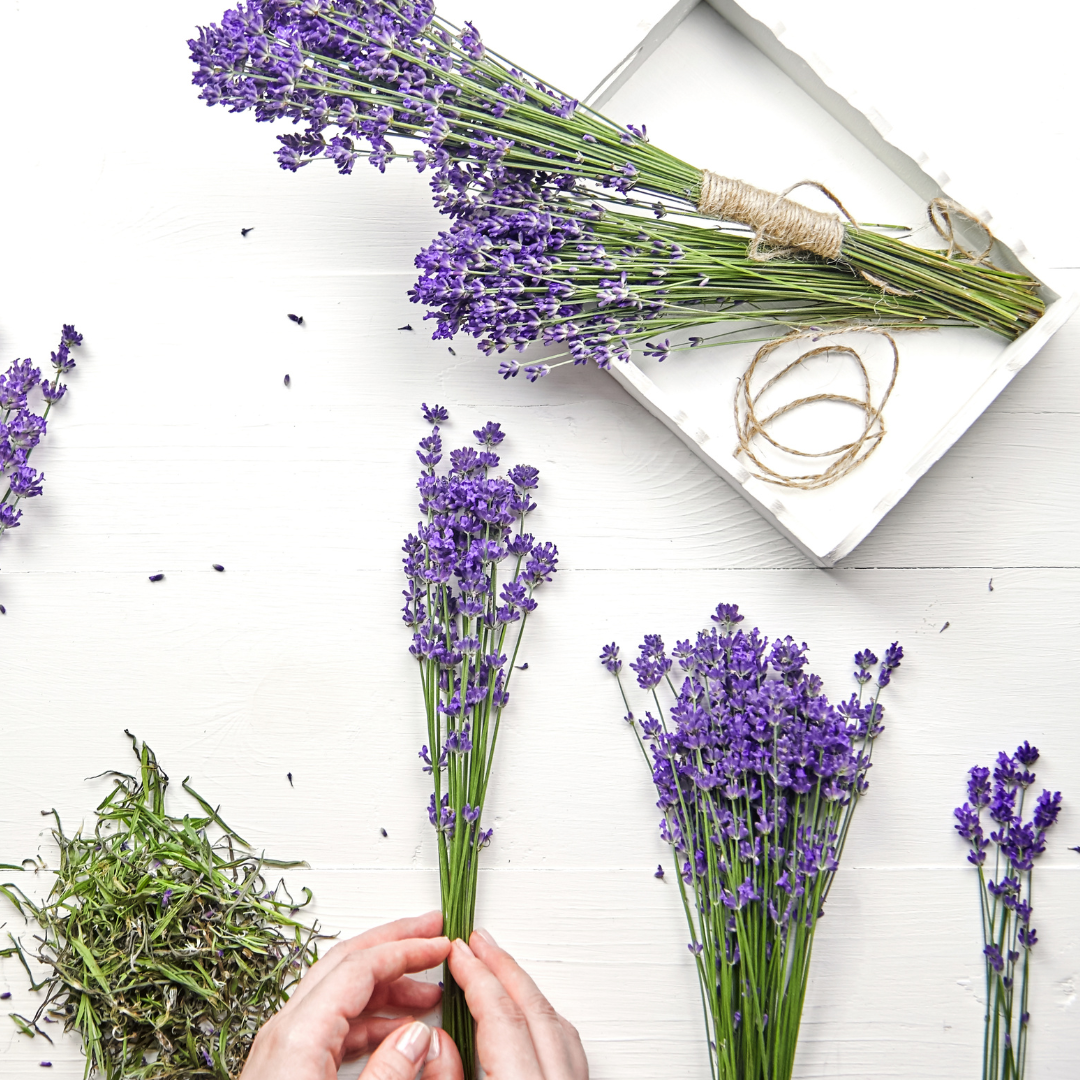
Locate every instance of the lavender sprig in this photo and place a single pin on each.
(21, 429)
(472, 573)
(503, 144)
(758, 776)
(1005, 903)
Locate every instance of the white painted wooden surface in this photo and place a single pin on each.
(178, 446)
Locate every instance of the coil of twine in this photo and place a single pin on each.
(753, 429)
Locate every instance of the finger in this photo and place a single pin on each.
(411, 994)
(368, 1031)
(443, 1060)
(550, 1038)
(405, 993)
(502, 1033)
(428, 925)
(338, 999)
(401, 1056)
(577, 1051)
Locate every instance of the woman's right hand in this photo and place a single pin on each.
(519, 1036)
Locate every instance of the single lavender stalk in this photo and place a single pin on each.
(1005, 903)
(758, 778)
(21, 429)
(553, 240)
(465, 620)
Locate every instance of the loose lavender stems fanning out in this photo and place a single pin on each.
(21, 429)
(553, 240)
(465, 621)
(1005, 903)
(758, 777)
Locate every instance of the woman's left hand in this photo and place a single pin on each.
(331, 1016)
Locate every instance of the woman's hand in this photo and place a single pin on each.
(519, 1035)
(330, 1017)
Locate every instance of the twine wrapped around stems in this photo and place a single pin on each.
(750, 427)
(785, 225)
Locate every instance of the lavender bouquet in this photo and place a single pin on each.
(21, 429)
(1005, 903)
(553, 239)
(758, 777)
(465, 620)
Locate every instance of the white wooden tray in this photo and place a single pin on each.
(721, 90)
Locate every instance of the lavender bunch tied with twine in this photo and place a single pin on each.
(758, 776)
(472, 574)
(1005, 898)
(353, 74)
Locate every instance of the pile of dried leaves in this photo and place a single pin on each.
(166, 948)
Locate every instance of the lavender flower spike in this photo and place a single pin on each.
(1005, 903)
(22, 429)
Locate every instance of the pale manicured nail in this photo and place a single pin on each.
(413, 1041)
(433, 1047)
(487, 937)
(459, 944)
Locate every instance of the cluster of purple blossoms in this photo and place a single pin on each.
(354, 72)
(21, 429)
(1005, 899)
(472, 574)
(757, 775)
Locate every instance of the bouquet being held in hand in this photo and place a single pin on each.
(472, 571)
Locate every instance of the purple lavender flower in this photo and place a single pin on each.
(1006, 902)
(757, 776)
(609, 657)
(436, 414)
(21, 429)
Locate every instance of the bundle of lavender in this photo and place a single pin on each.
(465, 620)
(1005, 903)
(21, 429)
(553, 240)
(758, 777)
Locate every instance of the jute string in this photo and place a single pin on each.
(751, 428)
(783, 224)
(940, 211)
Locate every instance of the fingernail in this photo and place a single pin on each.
(459, 944)
(487, 937)
(413, 1041)
(433, 1046)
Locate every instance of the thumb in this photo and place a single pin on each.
(400, 1056)
(443, 1060)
